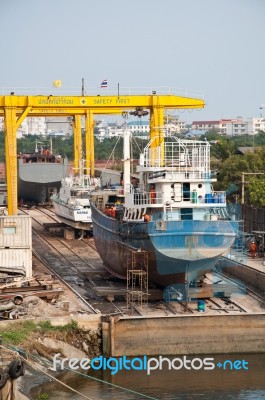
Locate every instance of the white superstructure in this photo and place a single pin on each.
(72, 201)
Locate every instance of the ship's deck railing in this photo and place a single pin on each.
(192, 198)
(181, 175)
(184, 155)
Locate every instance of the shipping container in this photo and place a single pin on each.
(16, 245)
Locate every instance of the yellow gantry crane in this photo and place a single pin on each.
(15, 109)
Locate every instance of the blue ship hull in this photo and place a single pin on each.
(177, 250)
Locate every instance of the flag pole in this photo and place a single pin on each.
(83, 87)
(118, 90)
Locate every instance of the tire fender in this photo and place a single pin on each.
(16, 369)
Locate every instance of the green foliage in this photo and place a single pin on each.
(46, 326)
(43, 396)
(105, 150)
(231, 172)
(18, 333)
(113, 148)
(211, 135)
(256, 191)
(223, 149)
(63, 146)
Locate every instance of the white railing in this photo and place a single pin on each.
(182, 155)
(157, 198)
(111, 90)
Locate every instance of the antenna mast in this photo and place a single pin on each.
(83, 87)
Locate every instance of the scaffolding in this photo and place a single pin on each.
(137, 279)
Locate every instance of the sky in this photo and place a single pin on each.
(210, 49)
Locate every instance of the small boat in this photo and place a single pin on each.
(40, 173)
(72, 204)
(173, 214)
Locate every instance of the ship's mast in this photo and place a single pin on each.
(126, 160)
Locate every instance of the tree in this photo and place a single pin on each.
(256, 191)
(223, 149)
(232, 169)
(231, 172)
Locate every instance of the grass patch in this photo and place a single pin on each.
(47, 327)
(18, 333)
(43, 396)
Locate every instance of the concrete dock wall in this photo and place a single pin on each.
(203, 334)
(252, 277)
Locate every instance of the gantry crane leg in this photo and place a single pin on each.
(77, 143)
(11, 158)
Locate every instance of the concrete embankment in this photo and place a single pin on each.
(188, 334)
(253, 277)
(84, 321)
(86, 340)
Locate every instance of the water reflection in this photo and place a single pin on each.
(183, 384)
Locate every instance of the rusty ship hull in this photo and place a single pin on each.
(171, 212)
(186, 248)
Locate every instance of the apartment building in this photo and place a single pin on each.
(231, 127)
(43, 126)
(256, 124)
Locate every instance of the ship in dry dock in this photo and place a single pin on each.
(72, 204)
(40, 173)
(173, 213)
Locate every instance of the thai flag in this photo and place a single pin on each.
(104, 83)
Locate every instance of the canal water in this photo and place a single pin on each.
(240, 380)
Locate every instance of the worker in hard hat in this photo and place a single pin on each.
(253, 249)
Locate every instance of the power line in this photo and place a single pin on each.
(41, 369)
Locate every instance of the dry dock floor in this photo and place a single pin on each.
(232, 321)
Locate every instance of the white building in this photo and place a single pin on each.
(232, 127)
(114, 131)
(237, 127)
(33, 126)
(256, 124)
(30, 126)
(139, 128)
(218, 125)
(171, 126)
(42, 126)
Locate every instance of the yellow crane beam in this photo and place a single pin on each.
(46, 103)
(16, 108)
(64, 112)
